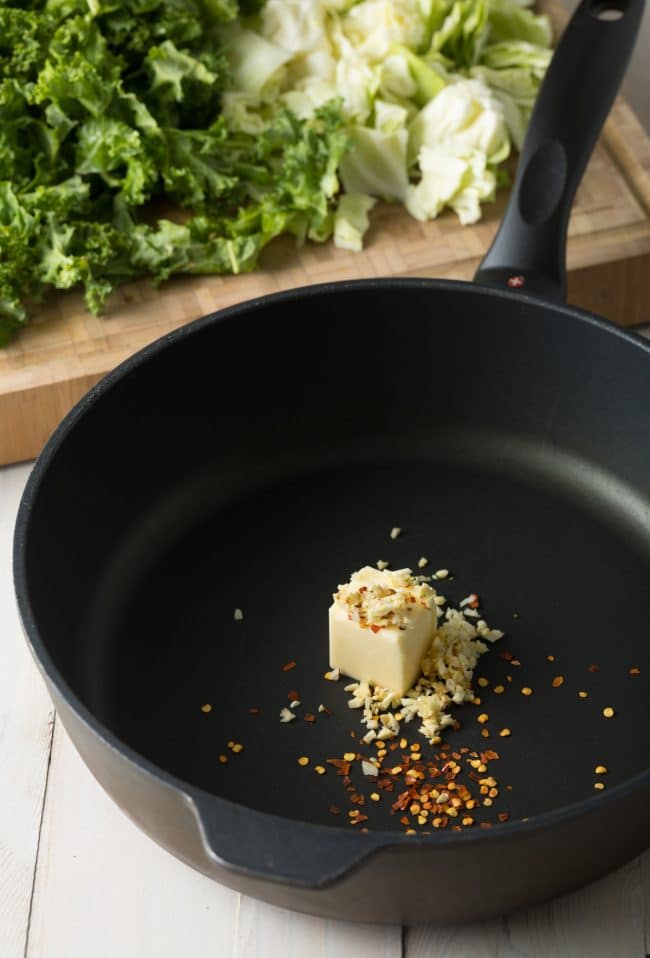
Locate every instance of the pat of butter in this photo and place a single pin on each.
(381, 624)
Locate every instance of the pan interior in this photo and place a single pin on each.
(550, 549)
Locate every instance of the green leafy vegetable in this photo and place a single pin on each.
(242, 120)
(106, 105)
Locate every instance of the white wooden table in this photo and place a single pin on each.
(78, 880)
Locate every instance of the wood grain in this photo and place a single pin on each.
(264, 931)
(26, 717)
(105, 890)
(604, 920)
(65, 350)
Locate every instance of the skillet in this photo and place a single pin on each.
(255, 458)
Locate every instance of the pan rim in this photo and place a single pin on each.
(379, 839)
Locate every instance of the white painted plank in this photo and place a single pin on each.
(480, 940)
(25, 737)
(103, 889)
(603, 920)
(264, 931)
(348, 940)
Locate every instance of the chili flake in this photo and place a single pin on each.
(334, 810)
(634, 671)
(594, 668)
(288, 666)
(358, 817)
(557, 681)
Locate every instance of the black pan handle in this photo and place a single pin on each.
(580, 85)
(280, 849)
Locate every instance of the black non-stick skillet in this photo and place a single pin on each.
(256, 457)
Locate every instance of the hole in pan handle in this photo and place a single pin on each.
(280, 849)
(583, 78)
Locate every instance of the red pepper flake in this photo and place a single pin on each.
(594, 668)
(516, 282)
(334, 810)
(503, 816)
(376, 628)
(474, 603)
(254, 711)
(634, 671)
(346, 780)
(357, 799)
(293, 696)
(506, 656)
(359, 818)
(485, 825)
(288, 666)
(310, 717)
(402, 802)
(404, 820)
(342, 767)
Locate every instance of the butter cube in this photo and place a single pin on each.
(381, 624)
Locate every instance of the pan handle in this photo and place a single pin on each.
(582, 80)
(277, 849)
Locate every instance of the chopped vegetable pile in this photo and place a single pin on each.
(242, 121)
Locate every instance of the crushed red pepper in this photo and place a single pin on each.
(431, 794)
(288, 666)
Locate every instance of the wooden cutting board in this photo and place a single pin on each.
(65, 350)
